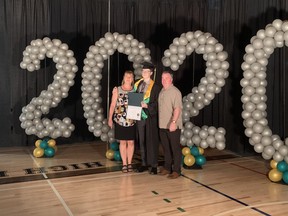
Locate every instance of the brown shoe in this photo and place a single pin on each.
(164, 172)
(174, 175)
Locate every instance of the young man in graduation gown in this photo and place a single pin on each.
(147, 127)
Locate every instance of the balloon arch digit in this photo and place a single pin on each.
(106, 46)
(63, 79)
(275, 35)
(217, 70)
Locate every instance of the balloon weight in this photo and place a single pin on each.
(38, 152)
(200, 160)
(275, 175)
(110, 154)
(114, 146)
(273, 164)
(49, 152)
(189, 160)
(194, 151)
(186, 151)
(282, 166)
(37, 143)
(201, 150)
(43, 144)
(46, 139)
(285, 177)
(117, 156)
(51, 142)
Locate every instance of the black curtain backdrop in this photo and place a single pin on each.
(80, 23)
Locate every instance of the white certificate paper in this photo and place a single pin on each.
(134, 112)
(134, 105)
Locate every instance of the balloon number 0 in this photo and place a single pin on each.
(254, 97)
(254, 82)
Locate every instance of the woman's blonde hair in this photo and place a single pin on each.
(129, 72)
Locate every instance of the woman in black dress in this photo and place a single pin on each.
(124, 128)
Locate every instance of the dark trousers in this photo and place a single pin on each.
(141, 141)
(172, 149)
(148, 141)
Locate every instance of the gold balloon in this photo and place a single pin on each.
(201, 150)
(37, 143)
(189, 160)
(186, 151)
(38, 152)
(273, 164)
(275, 175)
(110, 154)
(51, 142)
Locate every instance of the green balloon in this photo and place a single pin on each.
(200, 160)
(49, 152)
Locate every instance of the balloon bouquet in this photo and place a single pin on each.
(193, 156)
(113, 152)
(46, 147)
(279, 171)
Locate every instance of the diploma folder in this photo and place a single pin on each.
(134, 105)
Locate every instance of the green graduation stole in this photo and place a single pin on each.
(146, 97)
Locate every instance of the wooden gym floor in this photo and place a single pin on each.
(79, 180)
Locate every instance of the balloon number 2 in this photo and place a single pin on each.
(204, 93)
(254, 82)
(64, 78)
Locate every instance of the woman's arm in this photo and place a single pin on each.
(112, 106)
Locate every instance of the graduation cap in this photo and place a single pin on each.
(148, 65)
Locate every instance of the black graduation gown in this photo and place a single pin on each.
(151, 127)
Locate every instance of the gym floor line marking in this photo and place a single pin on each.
(54, 189)
(169, 201)
(154, 192)
(181, 209)
(237, 165)
(229, 197)
(246, 207)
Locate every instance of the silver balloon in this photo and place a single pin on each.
(265, 156)
(278, 157)
(283, 150)
(187, 133)
(104, 137)
(258, 148)
(203, 134)
(66, 133)
(219, 136)
(256, 138)
(196, 130)
(212, 130)
(183, 140)
(204, 144)
(196, 139)
(188, 125)
(220, 145)
(189, 142)
(269, 150)
(97, 132)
